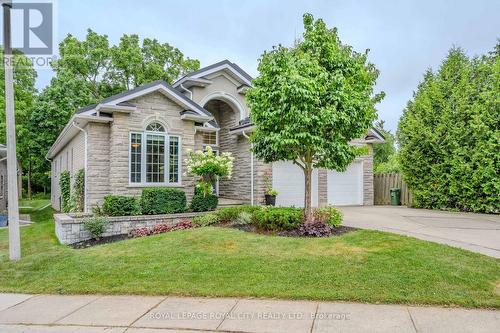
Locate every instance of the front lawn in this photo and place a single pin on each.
(30, 205)
(364, 266)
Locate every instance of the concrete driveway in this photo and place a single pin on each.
(474, 232)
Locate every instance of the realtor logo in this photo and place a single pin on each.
(32, 27)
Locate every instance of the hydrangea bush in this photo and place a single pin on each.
(208, 166)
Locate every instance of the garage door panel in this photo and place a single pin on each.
(288, 180)
(346, 188)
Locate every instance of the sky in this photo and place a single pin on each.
(404, 37)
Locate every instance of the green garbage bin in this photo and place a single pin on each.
(395, 196)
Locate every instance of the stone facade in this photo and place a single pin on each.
(151, 107)
(69, 229)
(322, 187)
(98, 168)
(368, 177)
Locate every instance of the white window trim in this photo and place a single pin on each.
(143, 182)
(216, 139)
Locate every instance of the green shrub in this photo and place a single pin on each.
(65, 187)
(120, 205)
(96, 225)
(244, 218)
(203, 203)
(162, 201)
(230, 214)
(206, 220)
(328, 215)
(278, 218)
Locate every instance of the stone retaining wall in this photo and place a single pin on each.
(69, 228)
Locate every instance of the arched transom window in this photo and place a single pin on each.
(154, 156)
(155, 127)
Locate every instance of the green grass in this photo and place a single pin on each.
(31, 205)
(364, 266)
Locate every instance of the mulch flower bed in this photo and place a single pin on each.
(102, 240)
(305, 230)
(134, 233)
(317, 230)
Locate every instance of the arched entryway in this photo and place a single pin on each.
(227, 115)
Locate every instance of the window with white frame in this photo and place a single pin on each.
(210, 138)
(154, 156)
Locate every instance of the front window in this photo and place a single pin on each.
(154, 156)
(210, 138)
(135, 157)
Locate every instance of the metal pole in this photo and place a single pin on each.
(14, 237)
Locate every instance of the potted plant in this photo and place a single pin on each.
(270, 195)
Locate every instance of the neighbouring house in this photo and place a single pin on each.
(3, 178)
(140, 138)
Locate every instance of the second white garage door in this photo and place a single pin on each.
(346, 188)
(288, 180)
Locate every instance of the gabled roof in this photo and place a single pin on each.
(86, 108)
(121, 99)
(120, 103)
(227, 65)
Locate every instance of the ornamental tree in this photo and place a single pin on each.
(208, 166)
(310, 101)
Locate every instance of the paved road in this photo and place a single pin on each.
(138, 314)
(474, 232)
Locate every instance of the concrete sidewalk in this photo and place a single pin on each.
(139, 314)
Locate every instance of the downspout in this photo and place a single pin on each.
(188, 91)
(251, 169)
(51, 178)
(84, 164)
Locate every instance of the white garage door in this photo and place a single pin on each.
(288, 180)
(346, 188)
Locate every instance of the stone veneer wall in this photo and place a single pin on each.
(368, 177)
(108, 148)
(69, 229)
(98, 171)
(322, 187)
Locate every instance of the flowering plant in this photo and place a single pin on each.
(208, 165)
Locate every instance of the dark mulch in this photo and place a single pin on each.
(100, 241)
(315, 230)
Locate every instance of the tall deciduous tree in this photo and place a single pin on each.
(310, 101)
(449, 135)
(133, 64)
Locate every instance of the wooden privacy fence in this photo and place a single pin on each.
(382, 182)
